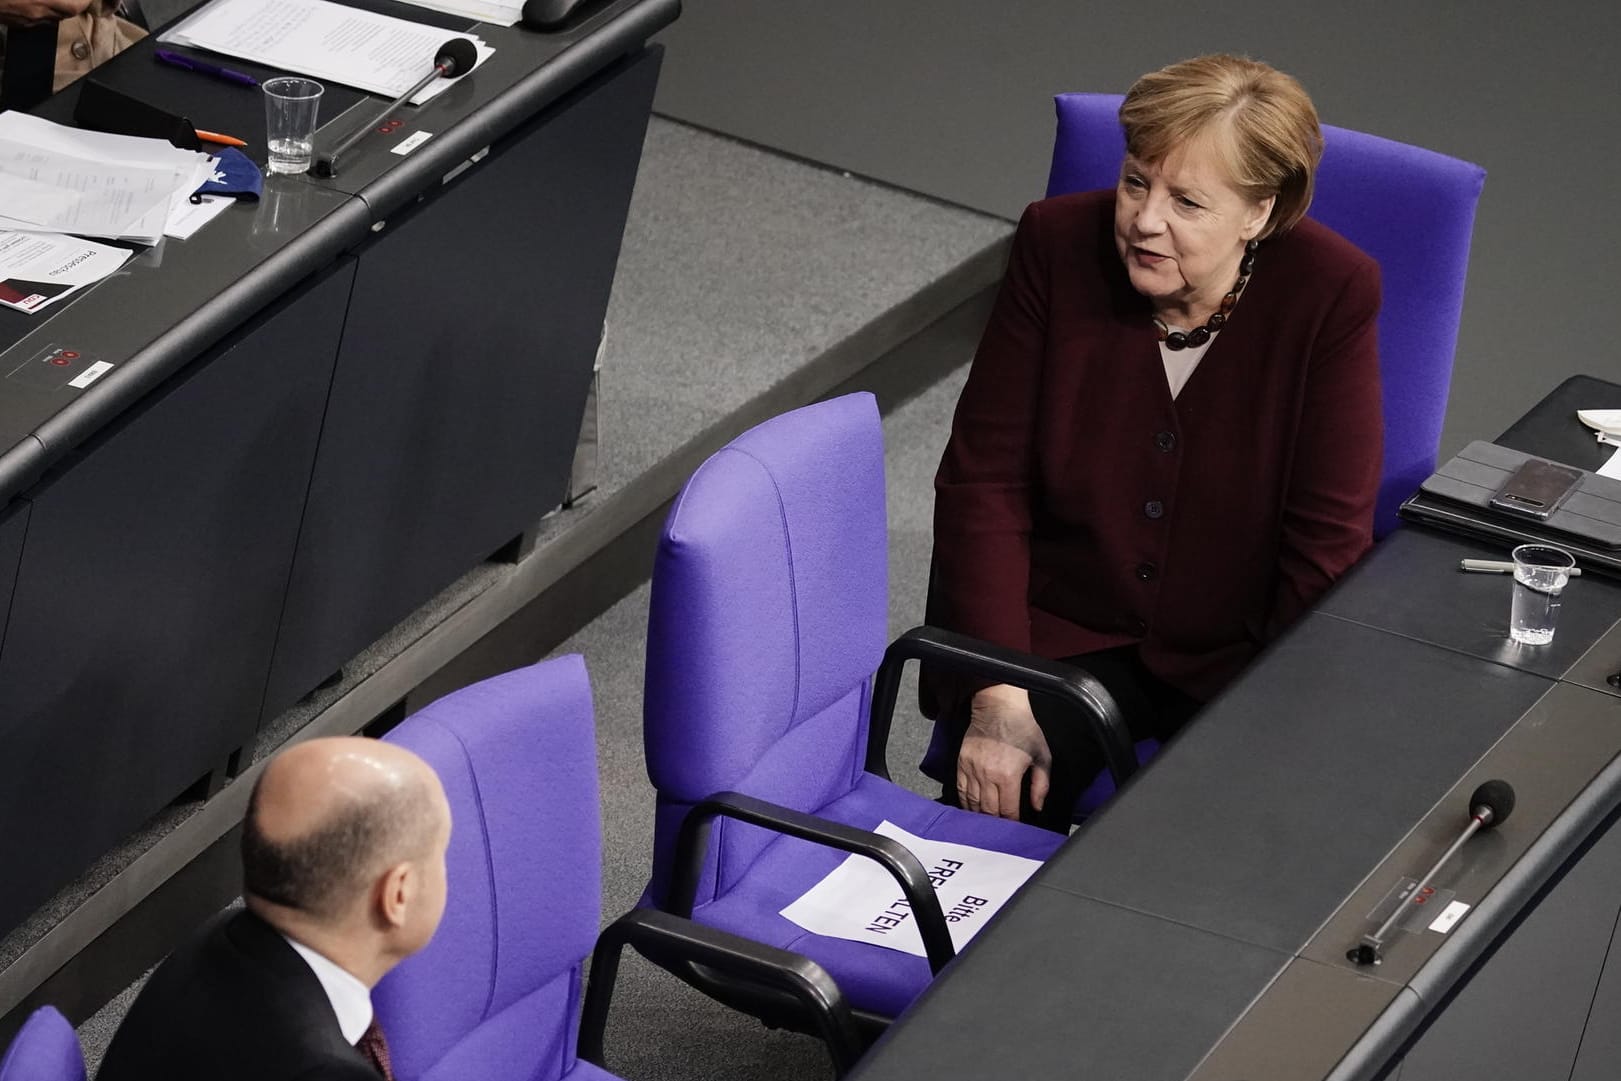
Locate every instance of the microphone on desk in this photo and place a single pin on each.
(1489, 805)
(455, 58)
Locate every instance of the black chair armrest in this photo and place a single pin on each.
(668, 940)
(894, 857)
(1075, 687)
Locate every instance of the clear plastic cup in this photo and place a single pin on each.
(1540, 574)
(291, 105)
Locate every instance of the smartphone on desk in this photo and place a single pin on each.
(1536, 488)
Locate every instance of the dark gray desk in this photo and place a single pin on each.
(1197, 928)
(324, 409)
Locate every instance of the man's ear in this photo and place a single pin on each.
(395, 891)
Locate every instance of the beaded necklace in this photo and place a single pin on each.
(1175, 339)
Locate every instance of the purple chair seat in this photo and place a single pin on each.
(883, 981)
(45, 1049)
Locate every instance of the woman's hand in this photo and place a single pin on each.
(1002, 744)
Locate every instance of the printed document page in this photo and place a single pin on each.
(59, 179)
(38, 269)
(859, 901)
(324, 41)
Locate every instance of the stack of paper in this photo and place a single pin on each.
(498, 12)
(324, 41)
(38, 269)
(55, 179)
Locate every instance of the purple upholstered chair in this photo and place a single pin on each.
(497, 993)
(763, 719)
(45, 1049)
(1412, 209)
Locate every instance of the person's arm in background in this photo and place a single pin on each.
(1334, 477)
(982, 521)
(31, 12)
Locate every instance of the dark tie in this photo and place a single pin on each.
(375, 1048)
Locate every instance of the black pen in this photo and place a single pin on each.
(203, 67)
(1498, 566)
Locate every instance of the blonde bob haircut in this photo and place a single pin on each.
(1259, 121)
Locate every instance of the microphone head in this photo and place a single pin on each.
(1496, 797)
(457, 57)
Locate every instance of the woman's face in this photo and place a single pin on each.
(1180, 227)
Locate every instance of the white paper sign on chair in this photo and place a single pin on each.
(858, 899)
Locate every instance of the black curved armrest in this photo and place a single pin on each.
(1075, 687)
(893, 856)
(664, 938)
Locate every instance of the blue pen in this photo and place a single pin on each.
(203, 67)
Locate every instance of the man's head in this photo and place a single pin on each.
(343, 848)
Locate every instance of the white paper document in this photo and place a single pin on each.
(187, 217)
(860, 901)
(324, 40)
(57, 179)
(99, 199)
(38, 269)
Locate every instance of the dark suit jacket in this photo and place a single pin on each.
(235, 1003)
(1079, 507)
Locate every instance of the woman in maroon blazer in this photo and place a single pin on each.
(1169, 443)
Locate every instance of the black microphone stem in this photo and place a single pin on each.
(1377, 939)
(327, 166)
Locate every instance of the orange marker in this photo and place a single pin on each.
(222, 140)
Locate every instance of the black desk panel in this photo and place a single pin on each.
(13, 526)
(441, 360)
(1063, 987)
(465, 364)
(1300, 1025)
(1551, 430)
(1411, 585)
(149, 593)
(1600, 667)
(1375, 730)
(159, 313)
(1524, 1013)
(1600, 1047)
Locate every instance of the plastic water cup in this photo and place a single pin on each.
(1540, 574)
(291, 105)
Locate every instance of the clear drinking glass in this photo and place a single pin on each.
(291, 104)
(1540, 574)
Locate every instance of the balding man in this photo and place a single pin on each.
(343, 861)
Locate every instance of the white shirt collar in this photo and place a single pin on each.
(350, 998)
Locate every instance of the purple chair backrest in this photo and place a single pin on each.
(769, 616)
(1412, 209)
(499, 985)
(45, 1049)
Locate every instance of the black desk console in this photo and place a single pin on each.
(321, 411)
(1198, 927)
